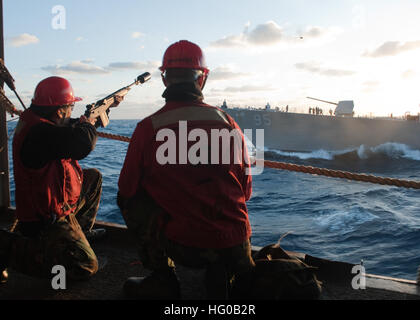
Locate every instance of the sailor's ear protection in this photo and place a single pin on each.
(202, 80)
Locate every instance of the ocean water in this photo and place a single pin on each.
(326, 217)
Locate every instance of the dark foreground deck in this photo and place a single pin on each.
(118, 261)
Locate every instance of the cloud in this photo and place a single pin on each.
(370, 86)
(315, 35)
(313, 32)
(149, 65)
(270, 33)
(137, 35)
(230, 41)
(86, 66)
(408, 74)
(88, 61)
(315, 67)
(23, 40)
(225, 73)
(392, 48)
(80, 67)
(263, 34)
(246, 88)
(371, 83)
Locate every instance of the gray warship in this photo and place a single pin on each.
(340, 130)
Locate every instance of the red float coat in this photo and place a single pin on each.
(47, 192)
(206, 202)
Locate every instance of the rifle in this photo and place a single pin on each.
(100, 109)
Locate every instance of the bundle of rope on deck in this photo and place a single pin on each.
(314, 170)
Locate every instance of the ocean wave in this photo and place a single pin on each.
(343, 222)
(318, 154)
(390, 150)
(397, 150)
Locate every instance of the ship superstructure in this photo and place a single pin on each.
(288, 131)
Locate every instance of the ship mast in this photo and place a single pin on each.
(4, 158)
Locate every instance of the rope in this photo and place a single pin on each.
(113, 137)
(314, 170)
(342, 174)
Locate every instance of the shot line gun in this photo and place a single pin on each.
(100, 109)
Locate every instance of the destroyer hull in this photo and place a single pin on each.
(306, 132)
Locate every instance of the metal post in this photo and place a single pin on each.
(4, 158)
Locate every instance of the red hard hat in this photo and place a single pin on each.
(184, 54)
(54, 91)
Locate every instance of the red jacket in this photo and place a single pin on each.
(51, 190)
(206, 203)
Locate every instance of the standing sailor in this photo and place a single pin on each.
(56, 201)
(190, 215)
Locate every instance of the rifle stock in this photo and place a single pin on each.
(100, 109)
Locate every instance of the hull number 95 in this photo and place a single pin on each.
(262, 120)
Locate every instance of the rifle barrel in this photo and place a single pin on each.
(139, 80)
(144, 77)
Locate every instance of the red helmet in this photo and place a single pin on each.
(54, 91)
(184, 54)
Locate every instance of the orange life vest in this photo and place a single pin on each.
(45, 193)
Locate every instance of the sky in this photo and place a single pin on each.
(258, 52)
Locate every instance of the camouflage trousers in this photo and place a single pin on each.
(145, 220)
(35, 247)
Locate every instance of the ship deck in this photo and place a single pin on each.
(118, 261)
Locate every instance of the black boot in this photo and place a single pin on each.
(4, 248)
(4, 275)
(95, 234)
(159, 285)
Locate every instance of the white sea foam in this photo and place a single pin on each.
(389, 149)
(344, 221)
(318, 154)
(407, 218)
(397, 150)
